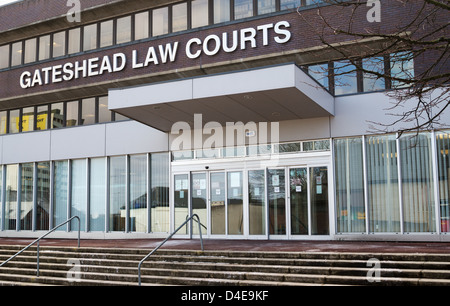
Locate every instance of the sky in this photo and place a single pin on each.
(4, 2)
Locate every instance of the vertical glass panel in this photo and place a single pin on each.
(160, 213)
(4, 56)
(382, 183)
(289, 4)
(16, 54)
(344, 78)
(320, 74)
(276, 192)
(417, 183)
(141, 25)
(26, 197)
(372, 82)
(181, 202)
(106, 33)
(41, 117)
(402, 67)
(97, 195)
(43, 196)
(30, 50)
(235, 203)
(298, 181)
(44, 47)
(11, 197)
(199, 199)
(14, 119)
(88, 111)
(3, 121)
(123, 30)
(179, 17)
(350, 210)
(319, 201)
(74, 41)
(78, 199)
(59, 44)
(266, 6)
(104, 114)
(117, 193)
(243, 9)
(138, 193)
(257, 202)
(72, 113)
(60, 188)
(160, 21)
(28, 119)
(442, 151)
(217, 203)
(90, 37)
(200, 13)
(221, 11)
(57, 115)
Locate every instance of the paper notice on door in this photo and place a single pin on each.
(275, 180)
(217, 191)
(235, 178)
(298, 188)
(277, 189)
(319, 189)
(256, 191)
(199, 192)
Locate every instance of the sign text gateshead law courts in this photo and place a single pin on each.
(194, 48)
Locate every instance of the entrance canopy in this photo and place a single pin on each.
(260, 95)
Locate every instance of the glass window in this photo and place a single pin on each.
(30, 50)
(11, 197)
(106, 33)
(117, 193)
(160, 21)
(78, 199)
(14, 119)
(123, 30)
(289, 4)
(26, 197)
(44, 47)
(16, 54)
(60, 191)
(179, 17)
(3, 122)
(382, 183)
(344, 78)
(88, 111)
(57, 115)
(372, 82)
(28, 119)
(160, 165)
(443, 149)
(74, 41)
(141, 25)
(417, 183)
(90, 37)
(350, 209)
(266, 6)
(43, 196)
(243, 9)
(320, 74)
(319, 201)
(200, 13)
(298, 190)
(4, 56)
(119, 117)
(59, 44)
(276, 195)
(221, 11)
(72, 113)
(104, 114)
(138, 193)
(402, 67)
(97, 194)
(181, 202)
(41, 117)
(257, 202)
(199, 198)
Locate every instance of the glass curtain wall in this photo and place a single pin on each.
(350, 209)
(26, 196)
(60, 194)
(257, 202)
(160, 213)
(43, 196)
(235, 203)
(442, 151)
(79, 192)
(117, 193)
(138, 193)
(12, 172)
(97, 196)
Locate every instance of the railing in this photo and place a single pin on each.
(43, 236)
(170, 236)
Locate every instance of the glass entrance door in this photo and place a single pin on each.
(298, 192)
(276, 194)
(217, 202)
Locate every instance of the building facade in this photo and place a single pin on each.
(134, 115)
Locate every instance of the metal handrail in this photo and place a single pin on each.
(170, 236)
(43, 236)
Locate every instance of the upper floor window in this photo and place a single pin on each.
(4, 56)
(200, 13)
(106, 33)
(90, 37)
(179, 17)
(30, 51)
(141, 25)
(16, 53)
(44, 47)
(243, 9)
(266, 6)
(123, 30)
(59, 44)
(160, 22)
(222, 11)
(74, 41)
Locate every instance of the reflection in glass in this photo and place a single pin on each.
(59, 44)
(181, 202)
(372, 82)
(30, 50)
(88, 111)
(199, 199)
(277, 201)
(235, 203)
(104, 114)
(78, 199)
(90, 37)
(26, 196)
(217, 203)
(344, 78)
(221, 11)
(243, 9)
(402, 67)
(57, 115)
(41, 117)
(160, 192)
(27, 119)
(3, 122)
(200, 13)
(289, 4)
(16, 54)
(320, 74)
(298, 181)
(257, 202)
(443, 149)
(160, 21)
(60, 187)
(11, 197)
(43, 196)
(138, 193)
(123, 30)
(4, 56)
(319, 201)
(74, 41)
(179, 17)
(141, 25)
(14, 119)
(44, 47)
(117, 193)
(106, 33)
(97, 194)
(266, 6)
(72, 113)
